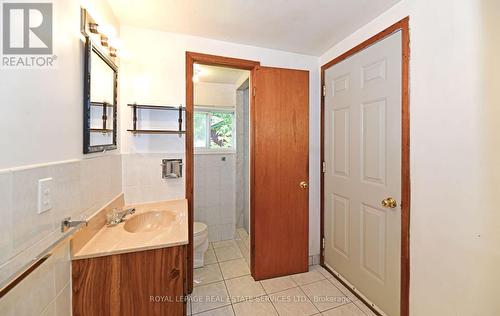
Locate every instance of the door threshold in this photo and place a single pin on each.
(353, 290)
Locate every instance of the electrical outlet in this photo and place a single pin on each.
(44, 195)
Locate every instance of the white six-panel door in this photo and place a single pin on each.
(363, 160)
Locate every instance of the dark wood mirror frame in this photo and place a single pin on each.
(87, 104)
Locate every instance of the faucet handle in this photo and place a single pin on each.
(114, 217)
(130, 211)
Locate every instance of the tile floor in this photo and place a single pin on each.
(224, 286)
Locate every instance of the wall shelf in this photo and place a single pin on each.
(155, 131)
(100, 130)
(104, 105)
(135, 107)
(157, 107)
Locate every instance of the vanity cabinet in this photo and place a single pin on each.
(149, 282)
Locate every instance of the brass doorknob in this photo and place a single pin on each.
(389, 202)
(304, 185)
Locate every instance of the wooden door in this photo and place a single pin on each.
(362, 230)
(280, 172)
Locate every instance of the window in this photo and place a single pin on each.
(214, 129)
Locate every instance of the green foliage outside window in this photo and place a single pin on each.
(213, 129)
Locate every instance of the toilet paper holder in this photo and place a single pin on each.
(171, 168)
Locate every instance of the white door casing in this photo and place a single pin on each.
(363, 105)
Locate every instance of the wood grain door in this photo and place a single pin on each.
(280, 169)
(363, 106)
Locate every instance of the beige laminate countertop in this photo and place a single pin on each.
(116, 240)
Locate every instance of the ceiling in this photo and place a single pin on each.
(302, 26)
(214, 74)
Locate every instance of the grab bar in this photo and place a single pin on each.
(26, 270)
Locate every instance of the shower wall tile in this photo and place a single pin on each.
(214, 194)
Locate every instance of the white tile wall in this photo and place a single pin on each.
(46, 291)
(242, 160)
(214, 194)
(142, 178)
(80, 188)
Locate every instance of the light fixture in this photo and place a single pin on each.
(93, 28)
(104, 40)
(112, 51)
(104, 33)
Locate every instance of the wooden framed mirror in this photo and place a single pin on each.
(100, 101)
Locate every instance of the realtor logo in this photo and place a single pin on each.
(27, 28)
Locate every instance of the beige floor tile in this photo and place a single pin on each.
(293, 302)
(364, 308)
(307, 277)
(278, 284)
(228, 253)
(324, 295)
(241, 243)
(244, 288)
(260, 306)
(245, 252)
(223, 311)
(246, 256)
(321, 270)
(210, 273)
(210, 296)
(224, 243)
(344, 310)
(242, 233)
(344, 290)
(210, 256)
(234, 268)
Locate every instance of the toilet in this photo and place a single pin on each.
(200, 243)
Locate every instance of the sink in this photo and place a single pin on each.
(149, 221)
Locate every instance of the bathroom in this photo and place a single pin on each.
(249, 158)
(114, 188)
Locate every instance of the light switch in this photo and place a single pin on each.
(44, 195)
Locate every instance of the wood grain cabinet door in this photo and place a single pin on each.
(280, 168)
(150, 282)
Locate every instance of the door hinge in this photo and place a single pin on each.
(323, 168)
(323, 243)
(324, 90)
(254, 91)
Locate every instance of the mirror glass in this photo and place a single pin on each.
(100, 104)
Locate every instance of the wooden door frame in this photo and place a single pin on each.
(403, 26)
(212, 60)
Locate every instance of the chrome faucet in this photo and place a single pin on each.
(115, 218)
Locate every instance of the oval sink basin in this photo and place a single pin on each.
(149, 222)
